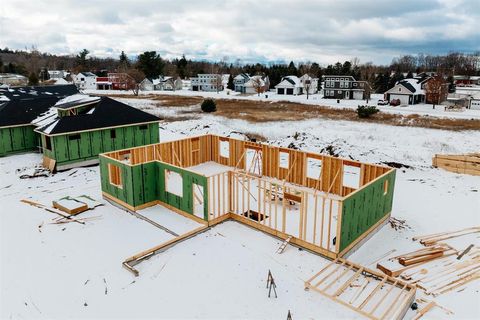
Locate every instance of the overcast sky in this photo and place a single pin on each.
(325, 31)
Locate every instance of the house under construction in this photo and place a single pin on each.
(322, 203)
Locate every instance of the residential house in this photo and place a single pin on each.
(257, 84)
(11, 79)
(57, 74)
(239, 82)
(85, 81)
(19, 107)
(209, 82)
(309, 84)
(150, 84)
(172, 84)
(289, 85)
(78, 128)
(466, 81)
(346, 87)
(409, 91)
(121, 81)
(103, 83)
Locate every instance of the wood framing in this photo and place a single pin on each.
(367, 292)
(322, 212)
(461, 163)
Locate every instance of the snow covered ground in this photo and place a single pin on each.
(50, 271)
(316, 99)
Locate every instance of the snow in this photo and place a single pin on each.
(314, 100)
(50, 271)
(79, 98)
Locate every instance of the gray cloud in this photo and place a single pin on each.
(269, 30)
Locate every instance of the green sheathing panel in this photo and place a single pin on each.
(66, 150)
(366, 207)
(125, 194)
(184, 203)
(17, 139)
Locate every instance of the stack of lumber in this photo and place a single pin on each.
(431, 239)
(425, 254)
(397, 265)
(463, 163)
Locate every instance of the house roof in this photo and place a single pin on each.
(289, 81)
(28, 92)
(106, 113)
(22, 105)
(87, 74)
(20, 112)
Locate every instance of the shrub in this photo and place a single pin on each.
(366, 111)
(209, 105)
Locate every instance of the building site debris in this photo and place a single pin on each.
(284, 245)
(39, 205)
(465, 252)
(425, 254)
(379, 296)
(36, 173)
(398, 224)
(431, 239)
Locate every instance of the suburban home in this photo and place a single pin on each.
(78, 128)
(209, 82)
(85, 81)
(239, 82)
(103, 83)
(57, 74)
(309, 83)
(19, 107)
(346, 87)
(466, 81)
(257, 84)
(121, 81)
(172, 84)
(410, 91)
(11, 79)
(150, 84)
(289, 85)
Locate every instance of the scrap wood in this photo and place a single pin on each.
(427, 308)
(456, 283)
(433, 238)
(42, 206)
(395, 271)
(423, 300)
(398, 224)
(386, 254)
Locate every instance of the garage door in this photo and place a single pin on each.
(357, 95)
(475, 105)
(280, 91)
(289, 90)
(403, 98)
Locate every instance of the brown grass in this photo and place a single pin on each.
(262, 111)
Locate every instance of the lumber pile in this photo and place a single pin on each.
(367, 292)
(463, 163)
(425, 254)
(431, 239)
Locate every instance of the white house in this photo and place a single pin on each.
(309, 83)
(85, 81)
(257, 84)
(408, 91)
(289, 85)
(209, 82)
(172, 84)
(149, 84)
(57, 74)
(239, 82)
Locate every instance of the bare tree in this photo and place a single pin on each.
(218, 82)
(135, 78)
(436, 90)
(258, 84)
(307, 83)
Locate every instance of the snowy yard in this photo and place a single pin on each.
(51, 271)
(316, 99)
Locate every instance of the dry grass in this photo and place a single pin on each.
(262, 111)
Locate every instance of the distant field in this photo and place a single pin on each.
(262, 111)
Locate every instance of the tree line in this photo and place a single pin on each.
(34, 64)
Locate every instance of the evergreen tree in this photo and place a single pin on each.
(230, 84)
(151, 64)
(409, 75)
(81, 59)
(124, 61)
(181, 66)
(292, 69)
(32, 79)
(397, 76)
